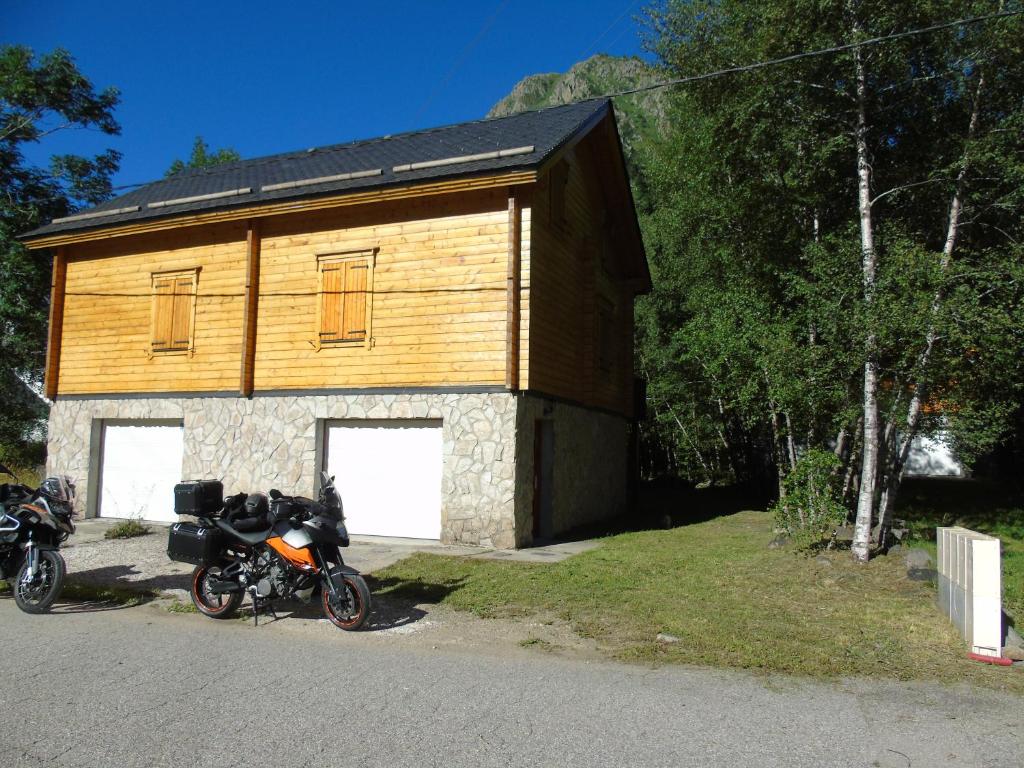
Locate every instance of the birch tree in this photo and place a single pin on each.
(836, 241)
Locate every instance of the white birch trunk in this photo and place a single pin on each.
(869, 457)
(902, 450)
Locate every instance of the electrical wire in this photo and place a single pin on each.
(461, 58)
(810, 54)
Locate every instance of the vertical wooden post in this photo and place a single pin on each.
(513, 292)
(58, 282)
(251, 308)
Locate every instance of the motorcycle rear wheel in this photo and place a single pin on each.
(216, 606)
(351, 615)
(38, 595)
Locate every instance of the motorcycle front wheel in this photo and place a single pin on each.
(349, 610)
(216, 606)
(38, 595)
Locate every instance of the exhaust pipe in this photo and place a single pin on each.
(220, 587)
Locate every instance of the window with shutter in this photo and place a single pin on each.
(174, 296)
(345, 290)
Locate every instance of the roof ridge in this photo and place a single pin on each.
(255, 161)
(411, 157)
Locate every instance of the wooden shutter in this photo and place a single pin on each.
(181, 319)
(163, 313)
(331, 283)
(354, 316)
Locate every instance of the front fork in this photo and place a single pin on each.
(32, 555)
(322, 566)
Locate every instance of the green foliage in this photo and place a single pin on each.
(755, 333)
(202, 157)
(39, 96)
(178, 606)
(128, 529)
(809, 507)
(86, 592)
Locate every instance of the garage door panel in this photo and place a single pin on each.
(389, 476)
(140, 466)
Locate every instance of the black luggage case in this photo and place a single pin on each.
(194, 544)
(202, 498)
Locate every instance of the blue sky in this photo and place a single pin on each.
(266, 77)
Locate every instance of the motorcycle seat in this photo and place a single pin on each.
(254, 537)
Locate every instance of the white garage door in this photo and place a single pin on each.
(389, 476)
(141, 465)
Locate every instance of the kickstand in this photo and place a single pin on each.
(256, 600)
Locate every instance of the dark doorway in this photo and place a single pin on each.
(543, 478)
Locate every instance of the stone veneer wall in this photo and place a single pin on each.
(591, 465)
(271, 441)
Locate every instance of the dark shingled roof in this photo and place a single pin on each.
(545, 130)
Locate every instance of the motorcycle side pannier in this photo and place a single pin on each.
(194, 544)
(202, 498)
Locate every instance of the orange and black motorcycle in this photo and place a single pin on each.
(270, 548)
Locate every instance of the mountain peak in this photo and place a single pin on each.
(640, 115)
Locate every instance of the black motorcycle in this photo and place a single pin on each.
(33, 523)
(276, 547)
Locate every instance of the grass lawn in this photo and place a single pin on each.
(980, 506)
(732, 602)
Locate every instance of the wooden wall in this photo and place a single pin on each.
(438, 308)
(105, 344)
(438, 303)
(568, 279)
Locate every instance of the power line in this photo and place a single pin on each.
(819, 52)
(461, 58)
(299, 294)
(601, 37)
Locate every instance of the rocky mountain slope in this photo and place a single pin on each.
(641, 117)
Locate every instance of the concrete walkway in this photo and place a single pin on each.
(142, 562)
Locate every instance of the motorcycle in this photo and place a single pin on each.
(269, 548)
(33, 524)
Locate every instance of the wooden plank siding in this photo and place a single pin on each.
(437, 310)
(568, 280)
(106, 345)
(58, 284)
(438, 304)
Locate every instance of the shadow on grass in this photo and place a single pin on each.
(983, 505)
(668, 503)
(414, 590)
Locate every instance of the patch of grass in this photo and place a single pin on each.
(128, 529)
(732, 602)
(926, 503)
(4, 587)
(179, 606)
(77, 591)
(536, 642)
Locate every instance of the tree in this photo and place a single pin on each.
(201, 157)
(836, 241)
(39, 96)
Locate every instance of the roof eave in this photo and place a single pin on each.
(508, 176)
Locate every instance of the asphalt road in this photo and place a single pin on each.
(142, 687)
